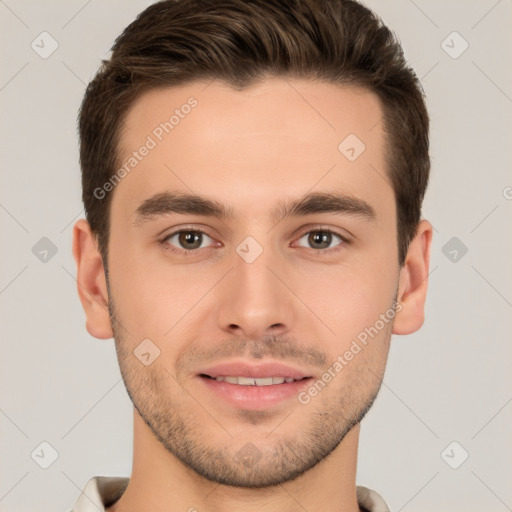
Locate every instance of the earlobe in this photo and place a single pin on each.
(413, 282)
(91, 282)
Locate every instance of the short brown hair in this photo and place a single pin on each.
(173, 42)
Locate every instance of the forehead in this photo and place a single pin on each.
(279, 137)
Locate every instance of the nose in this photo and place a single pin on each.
(255, 298)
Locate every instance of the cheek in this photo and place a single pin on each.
(154, 298)
(351, 305)
(349, 297)
(137, 290)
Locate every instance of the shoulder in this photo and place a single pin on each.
(100, 492)
(370, 500)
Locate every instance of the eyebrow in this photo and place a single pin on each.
(168, 202)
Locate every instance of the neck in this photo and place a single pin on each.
(162, 483)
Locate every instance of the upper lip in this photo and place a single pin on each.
(245, 369)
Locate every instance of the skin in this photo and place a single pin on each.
(295, 303)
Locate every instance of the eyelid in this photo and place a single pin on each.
(184, 227)
(343, 234)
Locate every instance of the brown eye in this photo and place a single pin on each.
(186, 239)
(321, 239)
(190, 239)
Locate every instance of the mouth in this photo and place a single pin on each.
(253, 381)
(254, 393)
(254, 387)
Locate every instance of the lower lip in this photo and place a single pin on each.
(255, 397)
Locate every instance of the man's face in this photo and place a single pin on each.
(253, 287)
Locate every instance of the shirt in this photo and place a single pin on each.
(102, 491)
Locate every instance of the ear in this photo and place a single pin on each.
(413, 282)
(91, 282)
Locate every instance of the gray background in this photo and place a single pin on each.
(451, 381)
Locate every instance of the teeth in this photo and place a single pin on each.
(249, 381)
(246, 381)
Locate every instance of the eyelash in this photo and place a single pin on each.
(192, 252)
